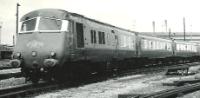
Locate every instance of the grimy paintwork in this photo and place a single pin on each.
(120, 44)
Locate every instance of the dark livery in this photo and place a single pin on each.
(56, 44)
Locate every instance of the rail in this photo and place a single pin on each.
(173, 93)
(6, 67)
(27, 89)
(10, 75)
(23, 90)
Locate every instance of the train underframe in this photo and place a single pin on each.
(87, 69)
(35, 74)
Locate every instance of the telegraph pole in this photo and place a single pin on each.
(153, 24)
(17, 20)
(13, 40)
(166, 25)
(0, 30)
(169, 33)
(184, 28)
(17, 17)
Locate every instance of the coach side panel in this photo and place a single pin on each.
(103, 43)
(152, 47)
(185, 49)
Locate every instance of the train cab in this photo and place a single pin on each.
(41, 40)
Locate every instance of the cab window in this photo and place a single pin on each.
(49, 24)
(28, 25)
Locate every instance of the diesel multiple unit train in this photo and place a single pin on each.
(56, 44)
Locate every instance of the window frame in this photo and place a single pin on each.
(21, 23)
(93, 36)
(101, 37)
(36, 29)
(51, 31)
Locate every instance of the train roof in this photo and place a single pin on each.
(185, 42)
(154, 37)
(63, 14)
(54, 13)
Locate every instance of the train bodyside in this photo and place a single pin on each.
(186, 50)
(99, 42)
(154, 50)
(153, 47)
(117, 44)
(81, 44)
(63, 47)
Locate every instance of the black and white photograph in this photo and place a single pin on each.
(99, 49)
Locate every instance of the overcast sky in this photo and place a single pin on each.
(135, 15)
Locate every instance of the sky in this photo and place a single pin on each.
(136, 15)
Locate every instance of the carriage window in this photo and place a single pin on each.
(49, 24)
(93, 36)
(169, 46)
(28, 25)
(165, 46)
(152, 45)
(101, 37)
(145, 44)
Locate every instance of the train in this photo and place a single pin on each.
(54, 44)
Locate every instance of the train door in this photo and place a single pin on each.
(116, 50)
(138, 45)
(70, 38)
(79, 35)
(174, 45)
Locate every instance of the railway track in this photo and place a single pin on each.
(6, 67)
(28, 89)
(154, 69)
(190, 86)
(23, 90)
(9, 73)
(173, 93)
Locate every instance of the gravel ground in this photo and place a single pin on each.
(7, 83)
(192, 95)
(135, 84)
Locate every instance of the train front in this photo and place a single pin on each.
(40, 43)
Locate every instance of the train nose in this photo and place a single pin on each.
(15, 63)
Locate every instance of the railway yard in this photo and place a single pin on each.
(99, 49)
(141, 82)
(62, 54)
